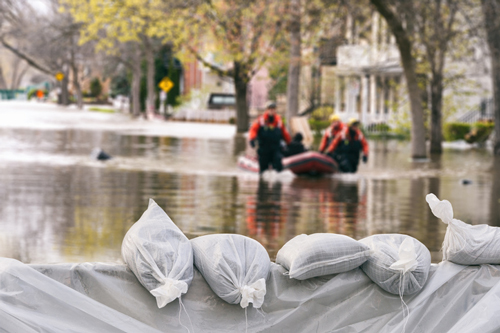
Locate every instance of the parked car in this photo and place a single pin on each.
(220, 101)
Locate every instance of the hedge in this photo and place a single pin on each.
(455, 131)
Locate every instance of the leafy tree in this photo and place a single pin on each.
(433, 31)
(244, 34)
(130, 30)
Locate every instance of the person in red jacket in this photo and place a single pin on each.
(331, 132)
(268, 131)
(346, 147)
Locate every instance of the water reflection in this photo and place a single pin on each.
(59, 206)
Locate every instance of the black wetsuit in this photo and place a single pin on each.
(269, 138)
(347, 153)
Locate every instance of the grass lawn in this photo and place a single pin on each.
(104, 110)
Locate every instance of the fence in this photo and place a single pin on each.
(204, 115)
(18, 94)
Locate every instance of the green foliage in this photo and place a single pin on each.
(322, 113)
(165, 66)
(103, 110)
(95, 87)
(318, 125)
(279, 75)
(120, 84)
(455, 131)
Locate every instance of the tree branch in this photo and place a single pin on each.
(216, 69)
(28, 59)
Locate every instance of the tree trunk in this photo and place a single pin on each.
(150, 79)
(418, 149)
(64, 90)
(76, 85)
(136, 87)
(491, 11)
(436, 113)
(293, 82)
(495, 193)
(241, 88)
(76, 82)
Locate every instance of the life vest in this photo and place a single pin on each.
(350, 145)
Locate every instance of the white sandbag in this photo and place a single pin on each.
(235, 267)
(307, 256)
(159, 254)
(399, 264)
(463, 243)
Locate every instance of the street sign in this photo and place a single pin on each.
(165, 84)
(59, 76)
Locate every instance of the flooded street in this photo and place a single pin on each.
(59, 205)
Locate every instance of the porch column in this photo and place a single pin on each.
(364, 98)
(337, 94)
(347, 95)
(391, 99)
(373, 94)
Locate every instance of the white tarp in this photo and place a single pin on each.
(98, 297)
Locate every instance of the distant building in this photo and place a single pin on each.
(365, 79)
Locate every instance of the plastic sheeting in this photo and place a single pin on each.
(96, 297)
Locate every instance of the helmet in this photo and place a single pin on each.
(271, 105)
(334, 117)
(353, 121)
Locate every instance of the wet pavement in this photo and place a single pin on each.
(59, 205)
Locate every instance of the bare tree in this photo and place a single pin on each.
(246, 33)
(47, 41)
(292, 89)
(399, 27)
(434, 22)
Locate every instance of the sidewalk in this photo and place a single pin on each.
(23, 114)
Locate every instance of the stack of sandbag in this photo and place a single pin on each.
(234, 266)
(399, 264)
(159, 254)
(466, 244)
(307, 256)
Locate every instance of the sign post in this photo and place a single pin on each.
(165, 85)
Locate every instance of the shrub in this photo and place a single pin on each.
(318, 125)
(95, 87)
(322, 113)
(455, 131)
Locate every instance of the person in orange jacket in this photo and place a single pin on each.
(331, 132)
(268, 131)
(346, 147)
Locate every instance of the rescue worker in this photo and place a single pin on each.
(331, 132)
(296, 146)
(346, 147)
(268, 131)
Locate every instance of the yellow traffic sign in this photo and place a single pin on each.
(166, 84)
(59, 76)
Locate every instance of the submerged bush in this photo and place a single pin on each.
(455, 131)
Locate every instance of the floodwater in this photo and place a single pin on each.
(59, 205)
